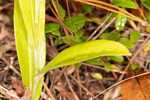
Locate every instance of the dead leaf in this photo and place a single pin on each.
(136, 89)
(145, 85)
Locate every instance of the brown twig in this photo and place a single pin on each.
(11, 65)
(133, 25)
(5, 92)
(70, 87)
(85, 89)
(112, 7)
(78, 77)
(47, 89)
(49, 18)
(68, 10)
(56, 13)
(100, 26)
(103, 29)
(106, 7)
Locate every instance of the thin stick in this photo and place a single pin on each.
(55, 8)
(11, 65)
(103, 29)
(5, 92)
(59, 9)
(100, 26)
(85, 89)
(79, 80)
(47, 89)
(112, 10)
(70, 87)
(50, 18)
(68, 10)
(60, 20)
(67, 35)
(112, 6)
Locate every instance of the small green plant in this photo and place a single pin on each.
(29, 22)
(133, 37)
(74, 23)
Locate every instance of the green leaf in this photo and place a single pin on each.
(76, 22)
(127, 42)
(134, 66)
(134, 36)
(86, 51)
(65, 40)
(116, 58)
(87, 8)
(120, 22)
(148, 17)
(61, 10)
(147, 48)
(108, 66)
(125, 4)
(52, 28)
(29, 20)
(110, 36)
(95, 61)
(146, 4)
(78, 38)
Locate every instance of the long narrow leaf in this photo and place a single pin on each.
(29, 20)
(86, 51)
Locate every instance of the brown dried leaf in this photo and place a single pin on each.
(136, 89)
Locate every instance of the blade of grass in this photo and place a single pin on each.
(29, 20)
